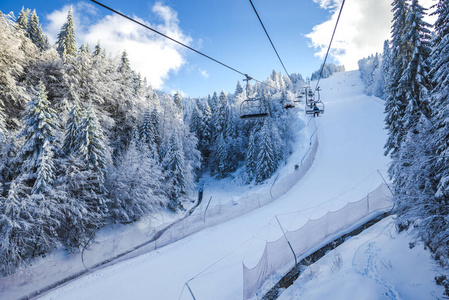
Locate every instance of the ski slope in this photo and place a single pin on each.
(351, 139)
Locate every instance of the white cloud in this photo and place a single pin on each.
(363, 27)
(150, 54)
(204, 73)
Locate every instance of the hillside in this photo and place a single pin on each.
(351, 139)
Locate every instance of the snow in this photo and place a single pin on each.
(350, 153)
(376, 264)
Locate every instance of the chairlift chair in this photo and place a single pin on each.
(314, 100)
(251, 108)
(310, 108)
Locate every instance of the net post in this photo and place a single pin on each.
(190, 290)
(385, 182)
(288, 242)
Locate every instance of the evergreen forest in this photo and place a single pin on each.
(85, 141)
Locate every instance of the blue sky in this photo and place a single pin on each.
(228, 31)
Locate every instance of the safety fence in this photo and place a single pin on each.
(221, 213)
(279, 253)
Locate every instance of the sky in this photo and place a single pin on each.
(227, 31)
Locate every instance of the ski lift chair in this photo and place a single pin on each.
(251, 108)
(310, 108)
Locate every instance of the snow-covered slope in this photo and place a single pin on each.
(351, 140)
(376, 264)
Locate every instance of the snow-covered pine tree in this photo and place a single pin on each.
(155, 129)
(219, 118)
(22, 18)
(35, 32)
(415, 80)
(221, 157)
(17, 52)
(90, 142)
(177, 98)
(71, 129)
(97, 50)
(45, 174)
(206, 133)
(66, 43)
(174, 167)
(91, 149)
(416, 75)
(438, 212)
(145, 134)
(16, 220)
(238, 89)
(251, 156)
(120, 106)
(195, 122)
(266, 157)
(84, 48)
(149, 134)
(39, 121)
(385, 67)
(396, 100)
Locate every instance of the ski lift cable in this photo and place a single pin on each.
(328, 49)
(176, 41)
(274, 48)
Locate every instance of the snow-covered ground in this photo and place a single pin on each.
(376, 264)
(351, 139)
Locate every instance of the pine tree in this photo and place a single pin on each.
(91, 150)
(35, 33)
(155, 128)
(195, 122)
(17, 53)
(385, 67)
(266, 157)
(415, 77)
(148, 134)
(15, 223)
(98, 49)
(66, 43)
(71, 129)
(238, 89)
(251, 155)
(45, 175)
(206, 133)
(125, 66)
(174, 164)
(90, 142)
(178, 102)
(221, 155)
(415, 82)
(437, 212)
(219, 115)
(396, 100)
(39, 126)
(145, 133)
(22, 19)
